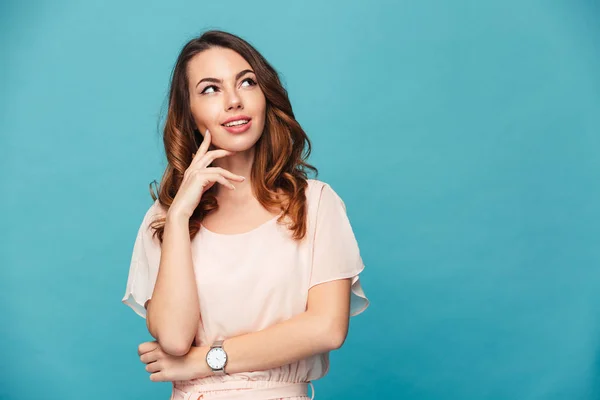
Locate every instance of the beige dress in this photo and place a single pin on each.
(249, 281)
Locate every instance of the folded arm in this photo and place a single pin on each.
(322, 327)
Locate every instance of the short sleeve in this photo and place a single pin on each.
(143, 268)
(335, 250)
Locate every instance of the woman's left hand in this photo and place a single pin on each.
(164, 367)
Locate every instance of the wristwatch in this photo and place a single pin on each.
(216, 358)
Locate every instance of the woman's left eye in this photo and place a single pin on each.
(250, 80)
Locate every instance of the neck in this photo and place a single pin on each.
(239, 164)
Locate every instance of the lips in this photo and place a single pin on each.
(236, 118)
(238, 128)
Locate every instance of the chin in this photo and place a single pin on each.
(236, 144)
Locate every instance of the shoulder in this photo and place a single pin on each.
(316, 186)
(154, 211)
(320, 195)
(321, 191)
(313, 191)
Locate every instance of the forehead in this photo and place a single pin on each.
(217, 63)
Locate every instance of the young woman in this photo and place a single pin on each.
(246, 270)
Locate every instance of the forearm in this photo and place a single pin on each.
(173, 312)
(286, 342)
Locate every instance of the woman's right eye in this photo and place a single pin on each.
(210, 86)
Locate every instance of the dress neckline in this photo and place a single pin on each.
(268, 222)
(253, 230)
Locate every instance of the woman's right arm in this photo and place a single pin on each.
(173, 314)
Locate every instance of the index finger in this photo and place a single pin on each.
(203, 147)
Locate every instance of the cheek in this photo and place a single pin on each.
(205, 113)
(259, 99)
(257, 105)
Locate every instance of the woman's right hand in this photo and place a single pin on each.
(198, 178)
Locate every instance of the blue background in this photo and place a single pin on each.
(463, 137)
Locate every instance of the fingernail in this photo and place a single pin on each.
(242, 177)
(233, 187)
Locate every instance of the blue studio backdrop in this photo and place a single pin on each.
(463, 137)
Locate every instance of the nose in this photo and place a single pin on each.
(234, 101)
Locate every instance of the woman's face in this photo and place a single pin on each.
(220, 90)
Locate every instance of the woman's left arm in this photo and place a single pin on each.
(322, 327)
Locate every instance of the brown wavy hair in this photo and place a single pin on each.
(279, 172)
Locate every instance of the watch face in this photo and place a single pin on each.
(216, 358)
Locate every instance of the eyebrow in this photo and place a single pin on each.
(239, 74)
